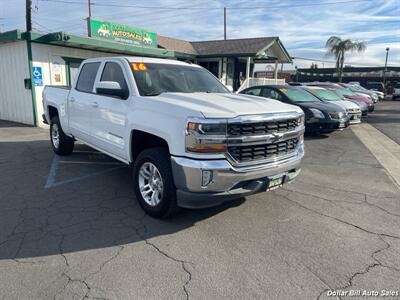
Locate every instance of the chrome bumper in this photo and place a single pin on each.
(228, 182)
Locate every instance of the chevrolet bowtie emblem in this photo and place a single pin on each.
(276, 137)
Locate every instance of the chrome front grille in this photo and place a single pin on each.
(249, 153)
(261, 128)
(354, 114)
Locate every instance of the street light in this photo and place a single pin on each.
(384, 71)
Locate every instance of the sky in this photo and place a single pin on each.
(302, 25)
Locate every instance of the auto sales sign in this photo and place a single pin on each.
(122, 33)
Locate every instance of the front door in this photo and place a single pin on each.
(109, 117)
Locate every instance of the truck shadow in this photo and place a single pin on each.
(97, 210)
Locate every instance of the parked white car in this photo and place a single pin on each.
(352, 109)
(191, 142)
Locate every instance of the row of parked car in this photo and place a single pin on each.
(327, 106)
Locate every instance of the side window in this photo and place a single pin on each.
(113, 72)
(276, 95)
(270, 93)
(254, 92)
(266, 92)
(87, 77)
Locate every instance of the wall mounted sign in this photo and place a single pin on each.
(122, 33)
(37, 76)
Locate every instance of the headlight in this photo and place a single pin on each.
(317, 113)
(300, 121)
(208, 136)
(337, 115)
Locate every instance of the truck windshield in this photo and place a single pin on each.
(153, 79)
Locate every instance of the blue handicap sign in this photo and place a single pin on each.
(37, 76)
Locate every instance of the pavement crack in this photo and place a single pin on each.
(374, 264)
(378, 207)
(337, 219)
(182, 263)
(336, 201)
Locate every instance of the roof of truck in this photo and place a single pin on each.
(142, 59)
(133, 59)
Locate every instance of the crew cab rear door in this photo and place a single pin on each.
(80, 102)
(110, 114)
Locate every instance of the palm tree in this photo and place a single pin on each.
(338, 47)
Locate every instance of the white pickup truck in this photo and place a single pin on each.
(190, 141)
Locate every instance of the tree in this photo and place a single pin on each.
(338, 47)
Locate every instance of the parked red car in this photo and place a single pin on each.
(345, 93)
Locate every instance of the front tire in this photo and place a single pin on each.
(153, 183)
(60, 142)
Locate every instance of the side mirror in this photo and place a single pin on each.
(230, 88)
(111, 88)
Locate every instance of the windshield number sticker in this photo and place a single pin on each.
(139, 67)
(283, 90)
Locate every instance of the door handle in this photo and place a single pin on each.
(72, 99)
(95, 104)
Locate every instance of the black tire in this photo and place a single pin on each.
(167, 206)
(65, 144)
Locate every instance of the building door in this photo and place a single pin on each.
(73, 71)
(212, 66)
(72, 65)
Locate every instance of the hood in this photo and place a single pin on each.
(360, 98)
(216, 105)
(362, 105)
(323, 106)
(346, 104)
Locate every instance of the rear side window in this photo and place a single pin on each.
(87, 77)
(254, 92)
(269, 93)
(113, 72)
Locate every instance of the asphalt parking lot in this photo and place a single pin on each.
(71, 229)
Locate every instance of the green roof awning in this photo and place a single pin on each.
(83, 42)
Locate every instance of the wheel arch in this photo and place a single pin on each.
(142, 140)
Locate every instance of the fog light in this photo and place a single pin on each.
(206, 177)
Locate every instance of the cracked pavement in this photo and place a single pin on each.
(336, 227)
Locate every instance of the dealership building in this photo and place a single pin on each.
(31, 60)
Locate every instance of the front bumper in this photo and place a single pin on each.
(371, 107)
(228, 182)
(327, 125)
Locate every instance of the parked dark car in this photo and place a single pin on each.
(376, 86)
(396, 91)
(319, 116)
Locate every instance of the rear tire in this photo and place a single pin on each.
(153, 183)
(60, 142)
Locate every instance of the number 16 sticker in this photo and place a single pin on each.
(139, 67)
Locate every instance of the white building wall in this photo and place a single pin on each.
(49, 57)
(15, 100)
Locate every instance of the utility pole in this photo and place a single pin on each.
(225, 23)
(28, 15)
(89, 18)
(384, 71)
(90, 9)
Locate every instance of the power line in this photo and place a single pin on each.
(208, 8)
(331, 62)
